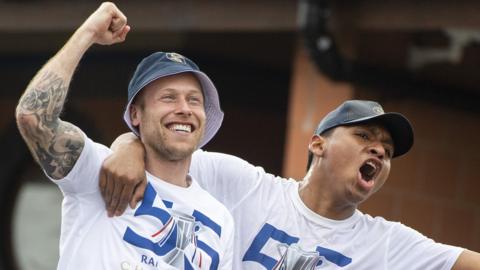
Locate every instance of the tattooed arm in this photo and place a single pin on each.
(56, 144)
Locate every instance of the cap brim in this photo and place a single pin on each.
(399, 128)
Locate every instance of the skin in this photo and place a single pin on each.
(123, 183)
(333, 187)
(167, 101)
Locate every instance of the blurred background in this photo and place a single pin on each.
(280, 66)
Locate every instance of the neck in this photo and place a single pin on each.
(321, 199)
(173, 172)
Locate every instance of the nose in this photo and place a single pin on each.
(378, 150)
(183, 108)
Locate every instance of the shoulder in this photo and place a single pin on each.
(200, 156)
(378, 223)
(394, 230)
(93, 153)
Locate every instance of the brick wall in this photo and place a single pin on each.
(436, 187)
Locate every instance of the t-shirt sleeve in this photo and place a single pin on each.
(83, 178)
(409, 249)
(227, 178)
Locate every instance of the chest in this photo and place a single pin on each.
(160, 233)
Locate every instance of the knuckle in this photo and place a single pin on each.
(108, 4)
(122, 204)
(104, 164)
(116, 175)
(130, 179)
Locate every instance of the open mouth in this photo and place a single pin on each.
(187, 128)
(370, 169)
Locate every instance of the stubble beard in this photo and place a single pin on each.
(171, 153)
(166, 151)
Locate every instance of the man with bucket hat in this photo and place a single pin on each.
(173, 108)
(315, 223)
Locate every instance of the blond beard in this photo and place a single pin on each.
(172, 153)
(163, 150)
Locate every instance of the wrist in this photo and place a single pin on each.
(84, 37)
(128, 144)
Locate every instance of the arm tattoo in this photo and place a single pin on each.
(55, 144)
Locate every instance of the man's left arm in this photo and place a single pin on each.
(468, 260)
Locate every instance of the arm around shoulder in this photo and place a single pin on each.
(122, 177)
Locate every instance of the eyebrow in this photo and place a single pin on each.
(377, 130)
(171, 89)
(193, 91)
(389, 140)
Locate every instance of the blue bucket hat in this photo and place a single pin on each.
(363, 111)
(161, 64)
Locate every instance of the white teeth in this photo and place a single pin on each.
(372, 164)
(179, 127)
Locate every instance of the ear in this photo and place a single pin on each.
(135, 115)
(317, 145)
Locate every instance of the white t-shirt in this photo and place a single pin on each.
(172, 228)
(275, 230)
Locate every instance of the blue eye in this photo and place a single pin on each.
(195, 100)
(168, 97)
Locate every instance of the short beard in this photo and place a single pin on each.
(159, 145)
(171, 153)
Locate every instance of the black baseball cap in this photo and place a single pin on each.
(363, 111)
(162, 64)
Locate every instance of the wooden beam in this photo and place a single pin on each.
(406, 15)
(171, 15)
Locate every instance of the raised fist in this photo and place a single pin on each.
(108, 25)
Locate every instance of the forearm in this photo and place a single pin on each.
(122, 177)
(129, 140)
(45, 95)
(128, 152)
(468, 260)
(63, 64)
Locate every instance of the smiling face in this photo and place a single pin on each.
(170, 116)
(354, 161)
